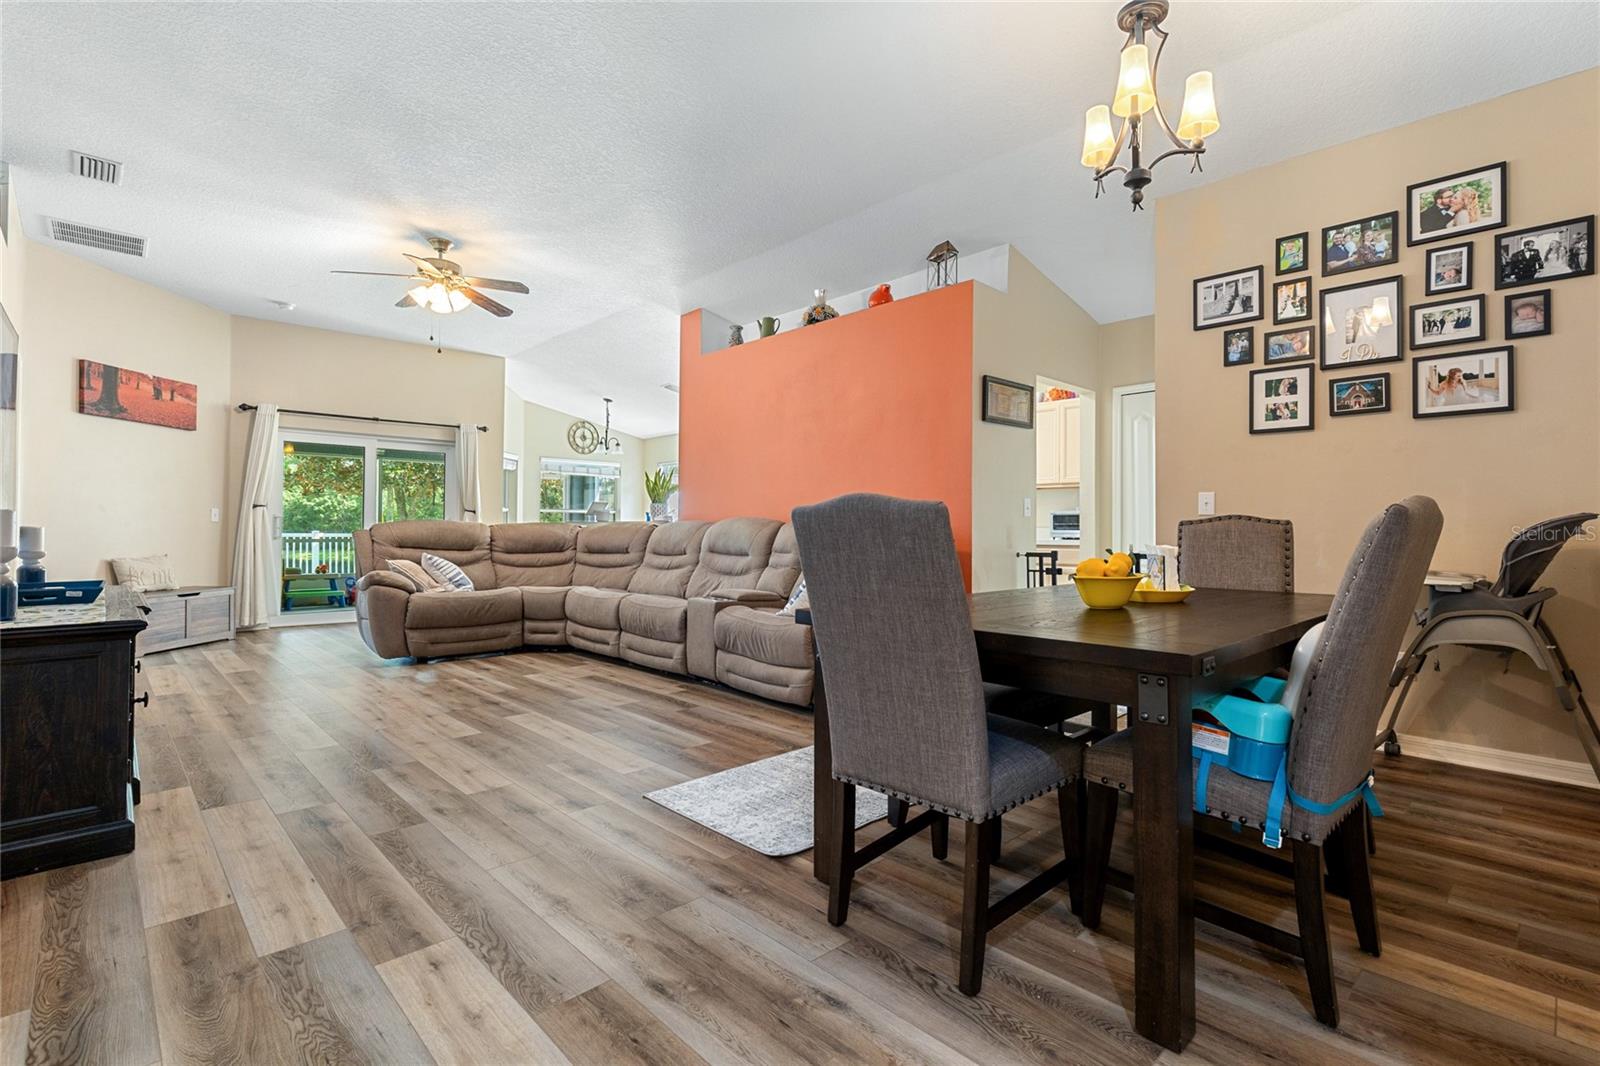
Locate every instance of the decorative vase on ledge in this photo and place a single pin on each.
(660, 512)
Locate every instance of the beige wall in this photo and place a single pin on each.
(659, 450)
(1490, 473)
(1127, 357)
(515, 429)
(103, 487)
(545, 437)
(321, 370)
(1031, 329)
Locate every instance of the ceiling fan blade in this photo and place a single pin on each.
(499, 310)
(372, 273)
(407, 301)
(496, 283)
(424, 265)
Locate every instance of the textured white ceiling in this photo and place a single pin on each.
(631, 161)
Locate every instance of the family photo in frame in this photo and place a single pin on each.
(1528, 314)
(1449, 269)
(1441, 208)
(1239, 346)
(1363, 243)
(1455, 321)
(1223, 299)
(1288, 345)
(1281, 400)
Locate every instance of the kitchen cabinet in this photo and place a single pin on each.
(1058, 427)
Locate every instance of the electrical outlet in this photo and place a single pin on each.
(1208, 503)
(216, 514)
(1027, 507)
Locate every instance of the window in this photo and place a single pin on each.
(410, 484)
(510, 490)
(571, 491)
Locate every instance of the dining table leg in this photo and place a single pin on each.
(823, 828)
(1163, 899)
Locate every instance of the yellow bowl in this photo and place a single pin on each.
(1107, 593)
(1162, 595)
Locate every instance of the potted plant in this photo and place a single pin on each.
(660, 486)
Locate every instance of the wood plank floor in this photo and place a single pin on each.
(347, 860)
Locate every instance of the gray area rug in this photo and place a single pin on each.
(765, 805)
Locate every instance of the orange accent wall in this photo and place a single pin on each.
(875, 401)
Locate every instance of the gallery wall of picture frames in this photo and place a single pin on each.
(1366, 321)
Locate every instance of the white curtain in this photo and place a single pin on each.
(467, 460)
(254, 587)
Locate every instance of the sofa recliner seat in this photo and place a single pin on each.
(649, 594)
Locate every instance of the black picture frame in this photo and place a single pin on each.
(1304, 237)
(1512, 298)
(1429, 288)
(1333, 395)
(1393, 256)
(1503, 240)
(1414, 237)
(1308, 394)
(1310, 352)
(1510, 385)
(1419, 342)
(1306, 281)
(1250, 345)
(1397, 311)
(991, 411)
(1260, 310)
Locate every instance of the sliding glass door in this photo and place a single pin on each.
(332, 484)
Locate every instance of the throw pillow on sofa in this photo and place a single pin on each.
(147, 573)
(447, 572)
(798, 600)
(421, 580)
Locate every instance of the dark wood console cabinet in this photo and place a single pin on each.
(68, 779)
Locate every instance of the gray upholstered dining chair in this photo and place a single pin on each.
(908, 711)
(1237, 551)
(1329, 760)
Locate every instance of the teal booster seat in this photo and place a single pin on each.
(1247, 732)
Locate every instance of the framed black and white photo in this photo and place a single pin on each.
(1291, 253)
(1552, 252)
(1291, 301)
(1365, 395)
(1288, 345)
(1362, 323)
(1281, 400)
(1441, 208)
(1007, 403)
(1449, 269)
(1359, 244)
(1454, 321)
(1239, 346)
(1224, 299)
(1462, 383)
(1528, 314)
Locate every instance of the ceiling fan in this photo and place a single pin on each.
(441, 287)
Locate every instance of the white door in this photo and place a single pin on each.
(1133, 470)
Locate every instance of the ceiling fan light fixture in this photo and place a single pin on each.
(438, 298)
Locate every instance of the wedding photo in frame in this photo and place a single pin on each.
(1468, 202)
(1228, 298)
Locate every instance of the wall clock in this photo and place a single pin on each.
(583, 437)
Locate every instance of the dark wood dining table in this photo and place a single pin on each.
(1157, 661)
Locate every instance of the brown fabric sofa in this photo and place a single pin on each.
(693, 598)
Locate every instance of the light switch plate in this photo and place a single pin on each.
(1027, 507)
(216, 514)
(1208, 503)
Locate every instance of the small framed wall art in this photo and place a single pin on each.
(1007, 403)
(1462, 383)
(1290, 253)
(1291, 301)
(1454, 321)
(1228, 298)
(1366, 395)
(1528, 313)
(1360, 244)
(1441, 208)
(1362, 323)
(1449, 269)
(1239, 346)
(1281, 400)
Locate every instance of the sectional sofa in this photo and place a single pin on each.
(693, 598)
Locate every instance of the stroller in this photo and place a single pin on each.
(1504, 617)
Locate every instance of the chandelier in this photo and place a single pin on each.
(1135, 103)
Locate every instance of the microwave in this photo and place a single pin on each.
(1064, 525)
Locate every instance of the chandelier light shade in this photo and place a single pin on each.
(1199, 119)
(1099, 143)
(1136, 93)
(1137, 104)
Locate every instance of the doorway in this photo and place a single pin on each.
(1064, 481)
(1133, 467)
(331, 484)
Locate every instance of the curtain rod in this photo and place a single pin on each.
(363, 418)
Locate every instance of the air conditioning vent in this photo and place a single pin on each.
(94, 237)
(96, 168)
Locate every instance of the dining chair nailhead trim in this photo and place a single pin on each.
(951, 811)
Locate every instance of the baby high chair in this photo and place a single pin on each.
(1505, 617)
